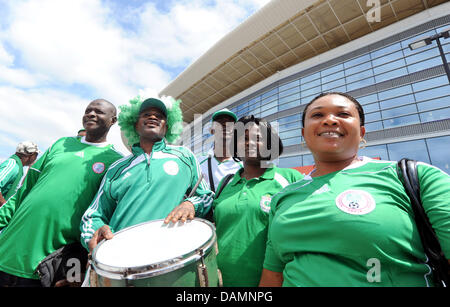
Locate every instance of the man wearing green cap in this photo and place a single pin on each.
(11, 170)
(43, 216)
(153, 181)
(218, 163)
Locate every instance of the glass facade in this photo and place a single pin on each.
(394, 106)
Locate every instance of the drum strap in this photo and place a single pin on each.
(211, 179)
(202, 271)
(200, 177)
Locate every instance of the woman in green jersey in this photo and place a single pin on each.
(349, 222)
(241, 209)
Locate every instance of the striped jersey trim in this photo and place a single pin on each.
(9, 167)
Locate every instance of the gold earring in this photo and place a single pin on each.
(363, 145)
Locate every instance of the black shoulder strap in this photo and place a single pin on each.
(210, 215)
(211, 179)
(226, 179)
(407, 171)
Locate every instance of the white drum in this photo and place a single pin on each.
(157, 254)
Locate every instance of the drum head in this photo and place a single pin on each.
(152, 242)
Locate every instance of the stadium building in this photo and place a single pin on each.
(288, 52)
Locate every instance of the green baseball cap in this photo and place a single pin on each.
(153, 102)
(224, 112)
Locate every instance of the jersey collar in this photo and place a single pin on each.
(158, 146)
(83, 140)
(269, 174)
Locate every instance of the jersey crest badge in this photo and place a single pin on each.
(171, 168)
(356, 202)
(98, 167)
(265, 203)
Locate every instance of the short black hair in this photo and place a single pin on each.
(352, 99)
(267, 131)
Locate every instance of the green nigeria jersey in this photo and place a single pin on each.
(143, 187)
(45, 212)
(11, 171)
(241, 213)
(355, 227)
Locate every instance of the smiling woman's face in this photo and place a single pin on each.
(251, 142)
(332, 128)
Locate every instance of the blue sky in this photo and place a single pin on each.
(58, 55)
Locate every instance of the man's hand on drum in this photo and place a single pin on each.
(183, 212)
(103, 232)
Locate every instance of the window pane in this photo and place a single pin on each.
(290, 91)
(439, 152)
(360, 75)
(391, 75)
(389, 66)
(367, 99)
(378, 151)
(332, 70)
(291, 141)
(424, 65)
(399, 111)
(269, 93)
(374, 126)
(434, 104)
(360, 84)
(435, 115)
(424, 55)
(308, 99)
(430, 83)
(312, 84)
(289, 105)
(310, 78)
(416, 150)
(289, 98)
(328, 86)
(385, 50)
(289, 126)
(371, 117)
(401, 121)
(387, 58)
(311, 92)
(268, 112)
(371, 107)
(358, 68)
(358, 60)
(288, 119)
(285, 86)
(433, 93)
(397, 101)
(290, 161)
(290, 133)
(335, 76)
(395, 92)
(308, 160)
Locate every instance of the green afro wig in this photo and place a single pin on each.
(129, 115)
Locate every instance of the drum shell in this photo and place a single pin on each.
(181, 272)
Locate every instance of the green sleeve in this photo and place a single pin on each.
(435, 196)
(99, 212)
(8, 172)
(203, 196)
(34, 171)
(271, 261)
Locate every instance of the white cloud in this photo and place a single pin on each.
(190, 27)
(5, 58)
(55, 46)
